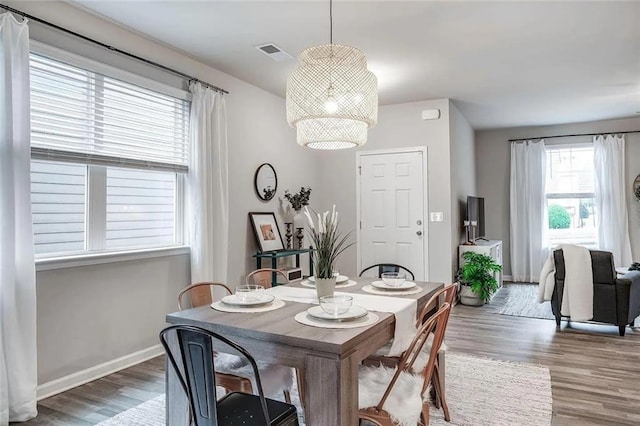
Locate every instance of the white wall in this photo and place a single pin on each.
(399, 126)
(257, 133)
(92, 314)
(463, 175)
(493, 168)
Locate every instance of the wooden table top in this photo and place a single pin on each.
(279, 326)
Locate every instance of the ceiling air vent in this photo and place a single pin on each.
(274, 52)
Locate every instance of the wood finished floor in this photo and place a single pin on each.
(595, 374)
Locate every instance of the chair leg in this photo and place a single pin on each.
(433, 393)
(425, 414)
(300, 378)
(621, 329)
(287, 396)
(558, 321)
(440, 393)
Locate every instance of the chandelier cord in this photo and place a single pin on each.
(330, 21)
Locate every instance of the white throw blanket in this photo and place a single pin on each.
(577, 296)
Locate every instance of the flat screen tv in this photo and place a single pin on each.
(475, 212)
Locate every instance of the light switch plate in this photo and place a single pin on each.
(437, 216)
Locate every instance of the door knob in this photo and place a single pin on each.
(419, 233)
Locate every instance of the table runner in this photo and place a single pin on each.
(404, 310)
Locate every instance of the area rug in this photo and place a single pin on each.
(520, 300)
(479, 391)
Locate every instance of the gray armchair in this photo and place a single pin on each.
(615, 300)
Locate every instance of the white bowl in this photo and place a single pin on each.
(394, 279)
(336, 305)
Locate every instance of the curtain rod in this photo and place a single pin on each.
(113, 49)
(577, 134)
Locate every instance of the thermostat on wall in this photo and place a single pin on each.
(430, 114)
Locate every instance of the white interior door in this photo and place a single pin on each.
(392, 210)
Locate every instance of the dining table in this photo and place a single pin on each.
(328, 358)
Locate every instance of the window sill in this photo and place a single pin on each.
(47, 264)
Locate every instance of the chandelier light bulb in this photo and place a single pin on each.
(331, 105)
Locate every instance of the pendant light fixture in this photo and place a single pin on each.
(332, 98)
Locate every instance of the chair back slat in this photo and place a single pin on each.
(200, 294)
(436, 324)
(448, 292)
(198, 380)
(196, 350)
(263, 277)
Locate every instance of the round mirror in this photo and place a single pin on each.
(266, 182)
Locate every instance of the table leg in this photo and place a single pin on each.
(331, 391)
(177, 406)
(274, 266)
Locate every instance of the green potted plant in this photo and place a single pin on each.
(298, 200)
(477, 278)
(328, 243)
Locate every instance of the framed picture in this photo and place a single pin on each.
(265, 228)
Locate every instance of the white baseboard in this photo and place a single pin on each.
(62, 384)
(507, 278)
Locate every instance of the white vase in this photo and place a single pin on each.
(325, 286)
(299, 221)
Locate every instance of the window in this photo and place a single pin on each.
(570, 196)
(108, 159)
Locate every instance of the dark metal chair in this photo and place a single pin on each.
(199, 384)
(388, 267)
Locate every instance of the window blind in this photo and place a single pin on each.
(85, 117)
(58, 193)
(140, 208)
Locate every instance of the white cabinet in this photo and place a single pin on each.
(491, 248)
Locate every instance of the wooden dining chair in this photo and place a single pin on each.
(264, 277)
(399, 393)
(446, 295)
(387, 267)
(195, 350)
(200, 294)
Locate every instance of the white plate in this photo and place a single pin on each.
(405, 285)
(234, 300)
(339, 280)
(353, 313)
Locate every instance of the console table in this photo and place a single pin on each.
(275, 255)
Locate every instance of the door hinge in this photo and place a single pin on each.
(360, 170)
(360, 224)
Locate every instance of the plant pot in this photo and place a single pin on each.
(468, 297)
(325, 286)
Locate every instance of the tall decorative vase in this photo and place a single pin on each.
(325, 286)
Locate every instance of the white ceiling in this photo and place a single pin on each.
(504, 63)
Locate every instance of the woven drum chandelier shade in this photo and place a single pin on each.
(332, 98)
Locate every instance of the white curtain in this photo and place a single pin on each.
(18, 370)
(208, 191)
(528, 210)
(610, 194)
